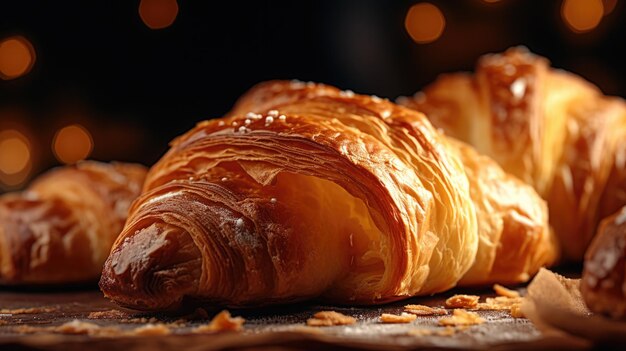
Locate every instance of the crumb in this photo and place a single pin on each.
(329, 318)
(503, 291)
(139, 320)
(110, 314)
(221, 322)
(462, 317)
(516, 311)
(499, 303)
(27, 329)
(304, 329)
(394, 318)
(422, 310)
(462, 301)
(152, 330)
(76, 327)
(31, 310)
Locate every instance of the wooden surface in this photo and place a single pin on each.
(277, 327)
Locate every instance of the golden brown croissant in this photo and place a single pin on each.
(550, 128)
(60, 230)
(309, 191)
(604, 276)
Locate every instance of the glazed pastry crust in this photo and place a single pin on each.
(548, 127)
(603, 281)
(306, 191)
(60, 230)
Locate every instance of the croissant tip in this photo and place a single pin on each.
(153, 269)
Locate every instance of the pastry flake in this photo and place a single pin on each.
(462, 301)
(461, 317)
(329, 318)
(223, 321)
(422, 310)
(394, 318)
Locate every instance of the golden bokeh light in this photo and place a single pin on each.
(72, 144)
(609, 6)
(424, 22)
(582, 15)
(14, 152)
(17, 57)
(15, 158)
(158, 14)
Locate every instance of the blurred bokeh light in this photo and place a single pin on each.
(17, 57)
(15, 158)
(582, 15)
(424, 22)
(158, 14)
(72, 144)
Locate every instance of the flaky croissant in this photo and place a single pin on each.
(61, 228)
(308, 191)
(550, 128)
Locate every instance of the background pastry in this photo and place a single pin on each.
(548, 127)
(61, 228)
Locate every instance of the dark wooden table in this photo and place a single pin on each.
(274, 328)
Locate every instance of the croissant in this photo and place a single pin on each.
(308, 191)
(604, 276)
(61, 228)
(548, 127)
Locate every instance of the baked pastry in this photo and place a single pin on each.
(603, 282)
(548, 127)
(308, 191)
(61, 228)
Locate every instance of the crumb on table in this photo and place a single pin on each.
(223, 321)
(394, 318)
(461, 317)
(462, 301)
(329, 318)
(422, 310)
(504, 291)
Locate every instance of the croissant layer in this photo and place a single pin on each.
(61, 228)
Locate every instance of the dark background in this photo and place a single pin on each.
(135, 88)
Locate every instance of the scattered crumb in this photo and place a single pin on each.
(499, 303)
(422, 310)
(329, 318)
(110, 314)
(394, 318)
(152, 330)
(516, 311)
(31, 310)
(139, 320)
(447, 331)
(462, 317)
(74, 327)
(27, 329)
(462, 301)
(221, 322)
(503, 291)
